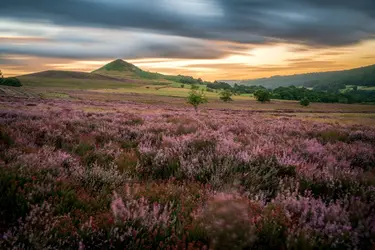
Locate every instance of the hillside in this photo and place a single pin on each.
(60, 74)
(120, 69)
(116, 74)
(364, 76)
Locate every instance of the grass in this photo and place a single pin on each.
(187, 86)
(158, 92)
(58, 95)
(83, 84)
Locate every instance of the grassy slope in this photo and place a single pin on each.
(115, 77)
(300, 79)
(115, 86)
(123, 70)
(73, 83)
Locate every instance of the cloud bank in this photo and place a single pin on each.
(178, 28)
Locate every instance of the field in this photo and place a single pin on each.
(89, 169)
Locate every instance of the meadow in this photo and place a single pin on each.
(95, 170)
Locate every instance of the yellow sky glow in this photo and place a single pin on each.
(262, 61)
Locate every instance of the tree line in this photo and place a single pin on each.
(320, 93)
(9, 81)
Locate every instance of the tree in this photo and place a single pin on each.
(1, 77)
(226, 96)
(197, 98)
(262, 95)
(304, 102)
(182, 86)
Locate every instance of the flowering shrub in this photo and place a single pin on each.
(229, 223)
(213, 180)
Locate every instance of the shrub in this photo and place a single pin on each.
(127, 162)
(228, 223)
(5, 138)
(83, 148)
(11, 81)
(264, 175)
(98, 157)
(196, 98)
(304, 102)
(226, 96)
(96, 178)
(13, 203)
(272, 229)
(262, 95)
(194, 87)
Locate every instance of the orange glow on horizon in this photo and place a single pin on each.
(262, 61)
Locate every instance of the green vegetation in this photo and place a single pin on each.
(123, 77)
(226, 96)
(196, 98)
(218, 85)
(194, 87)
(119, 65)
(10, 81)
(349, 96)
(262, 96)
(185, 79)
(123, 70)
(304, 102)
(73, 83)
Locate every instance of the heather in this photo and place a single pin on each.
(121, 175)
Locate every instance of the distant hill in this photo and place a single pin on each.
(119, 65)
(364, 76)
(116, 74)
(121, 69)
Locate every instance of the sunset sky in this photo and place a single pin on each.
(212, 39)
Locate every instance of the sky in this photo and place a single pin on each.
(211, 39)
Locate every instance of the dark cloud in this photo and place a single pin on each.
(312, 22)
(116, 47)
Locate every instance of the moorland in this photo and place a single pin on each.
(117, 159)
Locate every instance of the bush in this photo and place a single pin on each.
(196, 98)
(304, 102)
(227, 222)
(11, 81)
(194, 87)
(13, 203)
(262, 95)
(226, 96)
